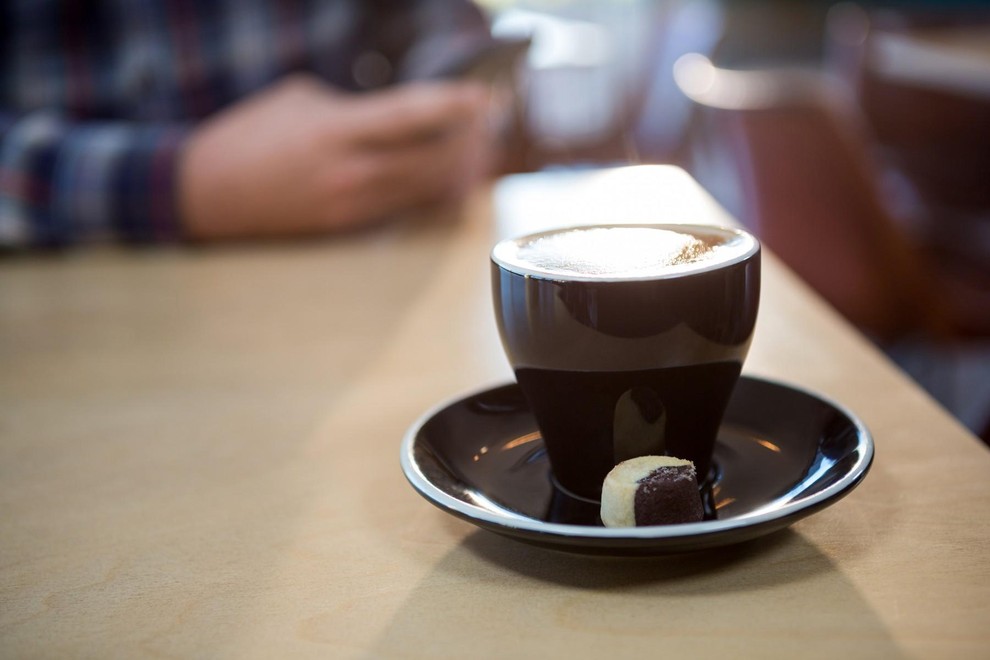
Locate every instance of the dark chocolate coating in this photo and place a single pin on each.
(668, 495)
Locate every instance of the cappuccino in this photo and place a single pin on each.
(626, 339)
(623, 252)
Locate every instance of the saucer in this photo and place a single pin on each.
(782, 453)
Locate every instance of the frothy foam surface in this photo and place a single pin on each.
(622, 252)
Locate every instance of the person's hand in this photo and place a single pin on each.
(301, 158)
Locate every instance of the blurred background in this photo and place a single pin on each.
(853, 138)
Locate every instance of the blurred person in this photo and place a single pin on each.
(163, 120)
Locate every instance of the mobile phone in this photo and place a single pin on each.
(496, 61)
(493, 62)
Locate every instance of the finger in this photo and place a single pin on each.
(395, 180)
(414, 112)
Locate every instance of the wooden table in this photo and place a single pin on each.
(199, 458)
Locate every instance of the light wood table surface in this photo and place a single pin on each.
(199, 458)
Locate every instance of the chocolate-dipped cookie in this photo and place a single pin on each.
(651, 490)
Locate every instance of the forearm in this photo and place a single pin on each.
(63, 183)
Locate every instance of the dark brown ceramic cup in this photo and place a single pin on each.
(626, 340)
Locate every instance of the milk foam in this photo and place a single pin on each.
(623, 252)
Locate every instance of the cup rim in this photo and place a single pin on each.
(556, 276)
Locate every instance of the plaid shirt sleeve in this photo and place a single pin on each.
(97, 98)
(63, 183)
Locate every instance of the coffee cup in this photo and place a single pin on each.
(626, 340)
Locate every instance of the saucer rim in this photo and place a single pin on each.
(522, 524)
